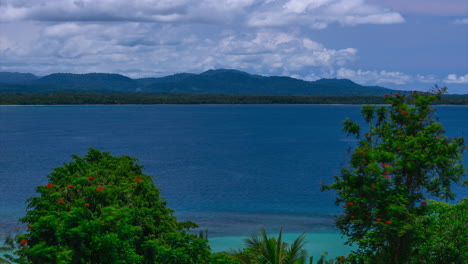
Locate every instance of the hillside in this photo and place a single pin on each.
(97, 81)
(221, 81)
(16, 77)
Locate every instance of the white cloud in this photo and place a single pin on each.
(318, 14)
(429, 79)
(404, 81)
(427, 7)
(136, 49)
(453, 78)
(461, 21)
(374, 77)
(300, 6)
(312, 13)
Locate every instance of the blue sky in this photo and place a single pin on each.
(404, 44)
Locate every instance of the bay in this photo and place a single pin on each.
(229, 168)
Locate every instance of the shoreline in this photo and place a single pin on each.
(83, 98)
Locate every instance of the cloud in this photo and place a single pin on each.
(144, 49)
(461, 21)
(453, 78)
(374, 77)
(427, 7)
(318, 14)
(313, 13)
(122, 10)
(429, 79)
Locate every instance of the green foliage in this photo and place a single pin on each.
(269, 250)
(443, 233)
(103, 209)
(402, 160)
(7, 247)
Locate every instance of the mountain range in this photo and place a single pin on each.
(221, 81)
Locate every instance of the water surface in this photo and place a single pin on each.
(230, 168)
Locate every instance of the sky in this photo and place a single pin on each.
(400, 44)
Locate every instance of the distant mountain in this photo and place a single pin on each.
(222, 81)
(16, 77)
(96, 81)
(237, 82)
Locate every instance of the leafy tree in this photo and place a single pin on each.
(444, 233)
(103, 209)
(269, 250)
(403, 159)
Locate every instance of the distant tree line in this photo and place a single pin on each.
(139, 98)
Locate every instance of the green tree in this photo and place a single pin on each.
(270, 250)
(403, 159)
(443, 233)
(103, 209)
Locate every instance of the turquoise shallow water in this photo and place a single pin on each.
(229, 168)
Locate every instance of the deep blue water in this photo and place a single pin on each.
(230, 168)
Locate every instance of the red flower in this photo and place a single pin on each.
(350, 203)
(30, 227)
(386, 172)
(404, 112)
(387, 176)
(70, 186)
(138, 179)
(366, 134)
(388, 222)
(378, 219)
(423, 203)
(398, 148)
(24, 242)
(384, 165)
(49, 185)
(99, 189)
(386, 95)
(60, 200)
(344, 206)
(90, 178)
(352, 216)
(397, 94)
(87, 204)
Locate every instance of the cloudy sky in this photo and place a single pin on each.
(405, 44)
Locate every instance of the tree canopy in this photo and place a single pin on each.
(103, 209)
(402, 159)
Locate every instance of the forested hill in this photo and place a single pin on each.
(16, 77)
(210, 82)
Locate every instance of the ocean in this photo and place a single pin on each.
(229, 168)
